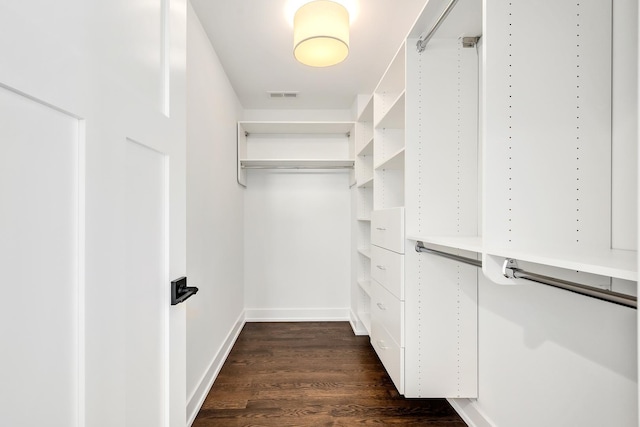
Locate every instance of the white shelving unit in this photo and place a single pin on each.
(389, 134)
(363, 194)
(506, 160)
(294, 145)
(561, 168)
(443, 169)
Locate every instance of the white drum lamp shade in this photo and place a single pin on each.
(321, 33)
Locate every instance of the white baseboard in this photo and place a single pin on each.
(297, 315)
(470, 413)
(195, 401)
(356, 325)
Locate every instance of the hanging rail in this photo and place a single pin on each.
(296, 167)
(421, 248)
(422, 42)
(510, 270)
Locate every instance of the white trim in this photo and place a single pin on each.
(80, 304)
(297, 314)
(195, 401)
(356, 324)
(469, 412)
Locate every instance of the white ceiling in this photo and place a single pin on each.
(254, 40)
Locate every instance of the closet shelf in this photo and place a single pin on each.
(465, 243)
(395, 161)
(616, 263)
(296, 164)
(367, 149)
(394, 117)
(366, 251)
(364, 219)
(367, 183)
(365, 285)
(296, 127)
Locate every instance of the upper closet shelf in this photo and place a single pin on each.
(297, 127)
(394, 117)
(614, 263)
(296, 164)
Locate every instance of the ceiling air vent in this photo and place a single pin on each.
(282, 95)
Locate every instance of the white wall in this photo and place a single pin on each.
(548, 357)
(297, 245)
(214, 216)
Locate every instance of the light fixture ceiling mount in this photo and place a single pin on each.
(321, 33)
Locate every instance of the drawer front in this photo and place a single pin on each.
(387, 229)
(388, 311)
(387, 268)
(390, 353)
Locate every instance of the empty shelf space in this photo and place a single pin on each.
(367, 183)
(395, 161)
(297, 127)
(365, 285)
(365, 251)
(367, 149)
(394, 117)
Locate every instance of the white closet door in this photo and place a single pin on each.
(40, 259)
(147, 302)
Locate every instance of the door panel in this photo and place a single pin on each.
(39, 259)
(146, 292)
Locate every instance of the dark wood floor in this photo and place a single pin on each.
(311, 374)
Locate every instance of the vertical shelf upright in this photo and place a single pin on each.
(364, 206)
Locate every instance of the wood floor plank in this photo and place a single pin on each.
(311, 374)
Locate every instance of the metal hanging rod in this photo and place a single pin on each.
(510, 270)
(422, 42)
(347, 134)
(296, 167)
(421, 248)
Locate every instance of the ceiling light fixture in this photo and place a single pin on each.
(321, 33)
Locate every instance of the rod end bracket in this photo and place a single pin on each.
(509, 268)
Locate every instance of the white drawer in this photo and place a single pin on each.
(390, 353)
(388, 269)
(388, 311)
(387, 229)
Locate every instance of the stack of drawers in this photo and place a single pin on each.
(387, 291)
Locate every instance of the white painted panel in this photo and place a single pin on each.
(441, 332)
(541, 347)
(297, 146)
(547, 138)
(147, 287)
(624, 150)
(297, 240)
(442, 140)
(39, 260)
